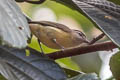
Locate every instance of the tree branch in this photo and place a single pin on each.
(105, 46)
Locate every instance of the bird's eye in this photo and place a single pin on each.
(82, 35)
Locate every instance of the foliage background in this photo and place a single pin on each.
(68, 17)
(60, 11)
(71, 16)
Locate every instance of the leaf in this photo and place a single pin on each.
(14, 29)
(115, 65)
(104, 14)
(90, 76)
(115, 1)
(1, 77)
(35, 66)
(71, 72)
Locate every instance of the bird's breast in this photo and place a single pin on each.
(48, 34)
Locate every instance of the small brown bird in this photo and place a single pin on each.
(57, 36)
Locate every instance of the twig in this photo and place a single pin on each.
(82, 50)
(97, 38)
(32, 2)
(35, 2)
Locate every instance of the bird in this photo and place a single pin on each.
(57, 36)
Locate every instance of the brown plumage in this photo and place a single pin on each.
(57, 36)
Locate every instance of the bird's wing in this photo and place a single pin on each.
(52, 24)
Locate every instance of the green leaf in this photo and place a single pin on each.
(2, 78)
(71, 73)
(18, 66)
(115, 65)
(115, 1)
(90, 76)
(104, 14)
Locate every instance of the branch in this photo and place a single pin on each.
(32, 2)
(97, 38)
(105, 46)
